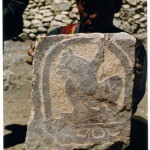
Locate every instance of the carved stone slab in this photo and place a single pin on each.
(82, 92)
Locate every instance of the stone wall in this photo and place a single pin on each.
(43, 15)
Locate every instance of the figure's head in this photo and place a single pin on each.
(98, 15)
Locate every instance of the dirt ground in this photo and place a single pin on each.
(17, 95)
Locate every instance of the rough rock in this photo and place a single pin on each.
(133, 2)
(47, 19)
(36, 22)
(41, 29)
(81, 100)
(62, 6)
(32, 36)
(61, 17)
(27, 23)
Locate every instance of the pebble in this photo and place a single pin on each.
(72, 15)
(30, 18)
(56, 23)
(126, 6)
(143, 19)
(133, 2)
(117, 22)
(117, 15)
(46, 25)
(62, 6)
(47, 19)
(44, 11)
(61, 17)
(38, 16)
(134, 27)
(36, 22)
(74, 10)
(64, 12)
(142, 25)
(47, 14)
(26, 23)
(32, 36)
(42, 29)
(34, 31)
(137, 16)
(34, 11)
(26, 31)
(23, 36)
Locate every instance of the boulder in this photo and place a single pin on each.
(82, 92)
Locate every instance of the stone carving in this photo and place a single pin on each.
(82, 88)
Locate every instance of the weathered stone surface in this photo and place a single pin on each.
(82, 92)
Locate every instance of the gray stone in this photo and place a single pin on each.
(23, 36)
(139, 9)
(26, 23)
(117, 15)
(143, 19)
(40, 4)
(137, 16)
(42, 1)
(61, 17)
(46, 25)
(57, 1)
(75, 10)
(34, 11)
(47, 14)
(133, 2)
(44, 11)
(36, 1)
(117, 22)
(24, 16)
(142, 25)
(67, 21)
(80, 97)
(34, 31)
(126, 26)
(38, 17)
(46, 7)
(134, 28)
(31, 2)
(141, 36)
(62, 6)
(26, 31)
(141, 31)
(131, 20)
(36, 22)
(47, 19)
(73, 15)
(32, 36)
(27, 13)
(64, 12)
(30, 18)
(31, 6)
(56, 23)
(42, 29)
(126, 6)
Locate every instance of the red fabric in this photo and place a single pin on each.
(68, 29)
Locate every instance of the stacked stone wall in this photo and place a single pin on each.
(41, 16)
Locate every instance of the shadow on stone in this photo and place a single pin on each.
(17, 136)
(139, 134)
